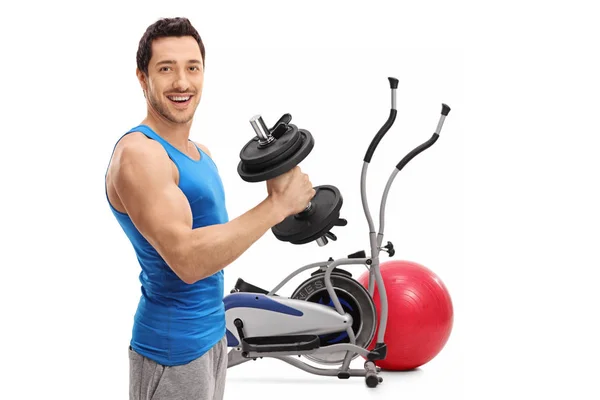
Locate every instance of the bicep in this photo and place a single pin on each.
(153, 201)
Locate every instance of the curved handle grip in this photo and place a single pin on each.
(388, 124)
(427, 144)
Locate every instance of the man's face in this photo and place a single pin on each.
(173, 86)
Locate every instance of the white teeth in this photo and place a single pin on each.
(177, 98)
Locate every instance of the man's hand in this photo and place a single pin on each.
(291, 192)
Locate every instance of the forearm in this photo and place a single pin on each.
(212, 248)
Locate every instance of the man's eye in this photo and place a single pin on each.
(164, 69)
(195, 68)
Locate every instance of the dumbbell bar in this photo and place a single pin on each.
(273, 152)
(287, 153)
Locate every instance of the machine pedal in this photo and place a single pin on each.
(273, 344)
(243, 286)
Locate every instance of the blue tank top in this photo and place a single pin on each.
(176, 322)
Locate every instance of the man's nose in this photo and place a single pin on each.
(181, 83)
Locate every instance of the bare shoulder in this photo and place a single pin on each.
(136, 144)
(137, 148)
(136, 156)
(204, 148)
(136, 162)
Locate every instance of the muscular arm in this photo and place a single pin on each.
(144, 183)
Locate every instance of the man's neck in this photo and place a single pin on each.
(176, 134)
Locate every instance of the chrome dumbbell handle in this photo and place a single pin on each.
(263, 133)
(264, 138)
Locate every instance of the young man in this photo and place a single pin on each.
(166, 193)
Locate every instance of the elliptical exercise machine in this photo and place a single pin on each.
(331, 318)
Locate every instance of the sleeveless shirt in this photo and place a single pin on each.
(176, 322)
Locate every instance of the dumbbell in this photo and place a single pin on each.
(273, 152)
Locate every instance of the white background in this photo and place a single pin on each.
(504, 207)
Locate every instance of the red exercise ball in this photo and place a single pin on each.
(420, 314)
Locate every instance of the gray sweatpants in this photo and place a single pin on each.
(201, 379)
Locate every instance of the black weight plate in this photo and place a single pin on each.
(288, 153)
(326, 204)
(253, 154)
(287, 164)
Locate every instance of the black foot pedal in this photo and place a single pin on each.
(273, 344)
(243, 286)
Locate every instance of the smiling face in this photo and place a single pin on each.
(173, 85)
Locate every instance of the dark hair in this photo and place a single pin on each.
(165, 27)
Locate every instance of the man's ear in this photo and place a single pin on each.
(143, 79)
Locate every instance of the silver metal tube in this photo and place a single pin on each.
(440, 124)
(260, 128)
(363, 196)
(346, 364)
(393, 99)
(342, 261)
(334, 348)
(329, 285)
(264, 134)
(383, 303)
(371, 282)
(293, 274)
(383, 203)
(372, 238)
(379, 240)
(318, 371)
(365, 204)
(338, 306)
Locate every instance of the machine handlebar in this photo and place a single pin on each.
(388, 124)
